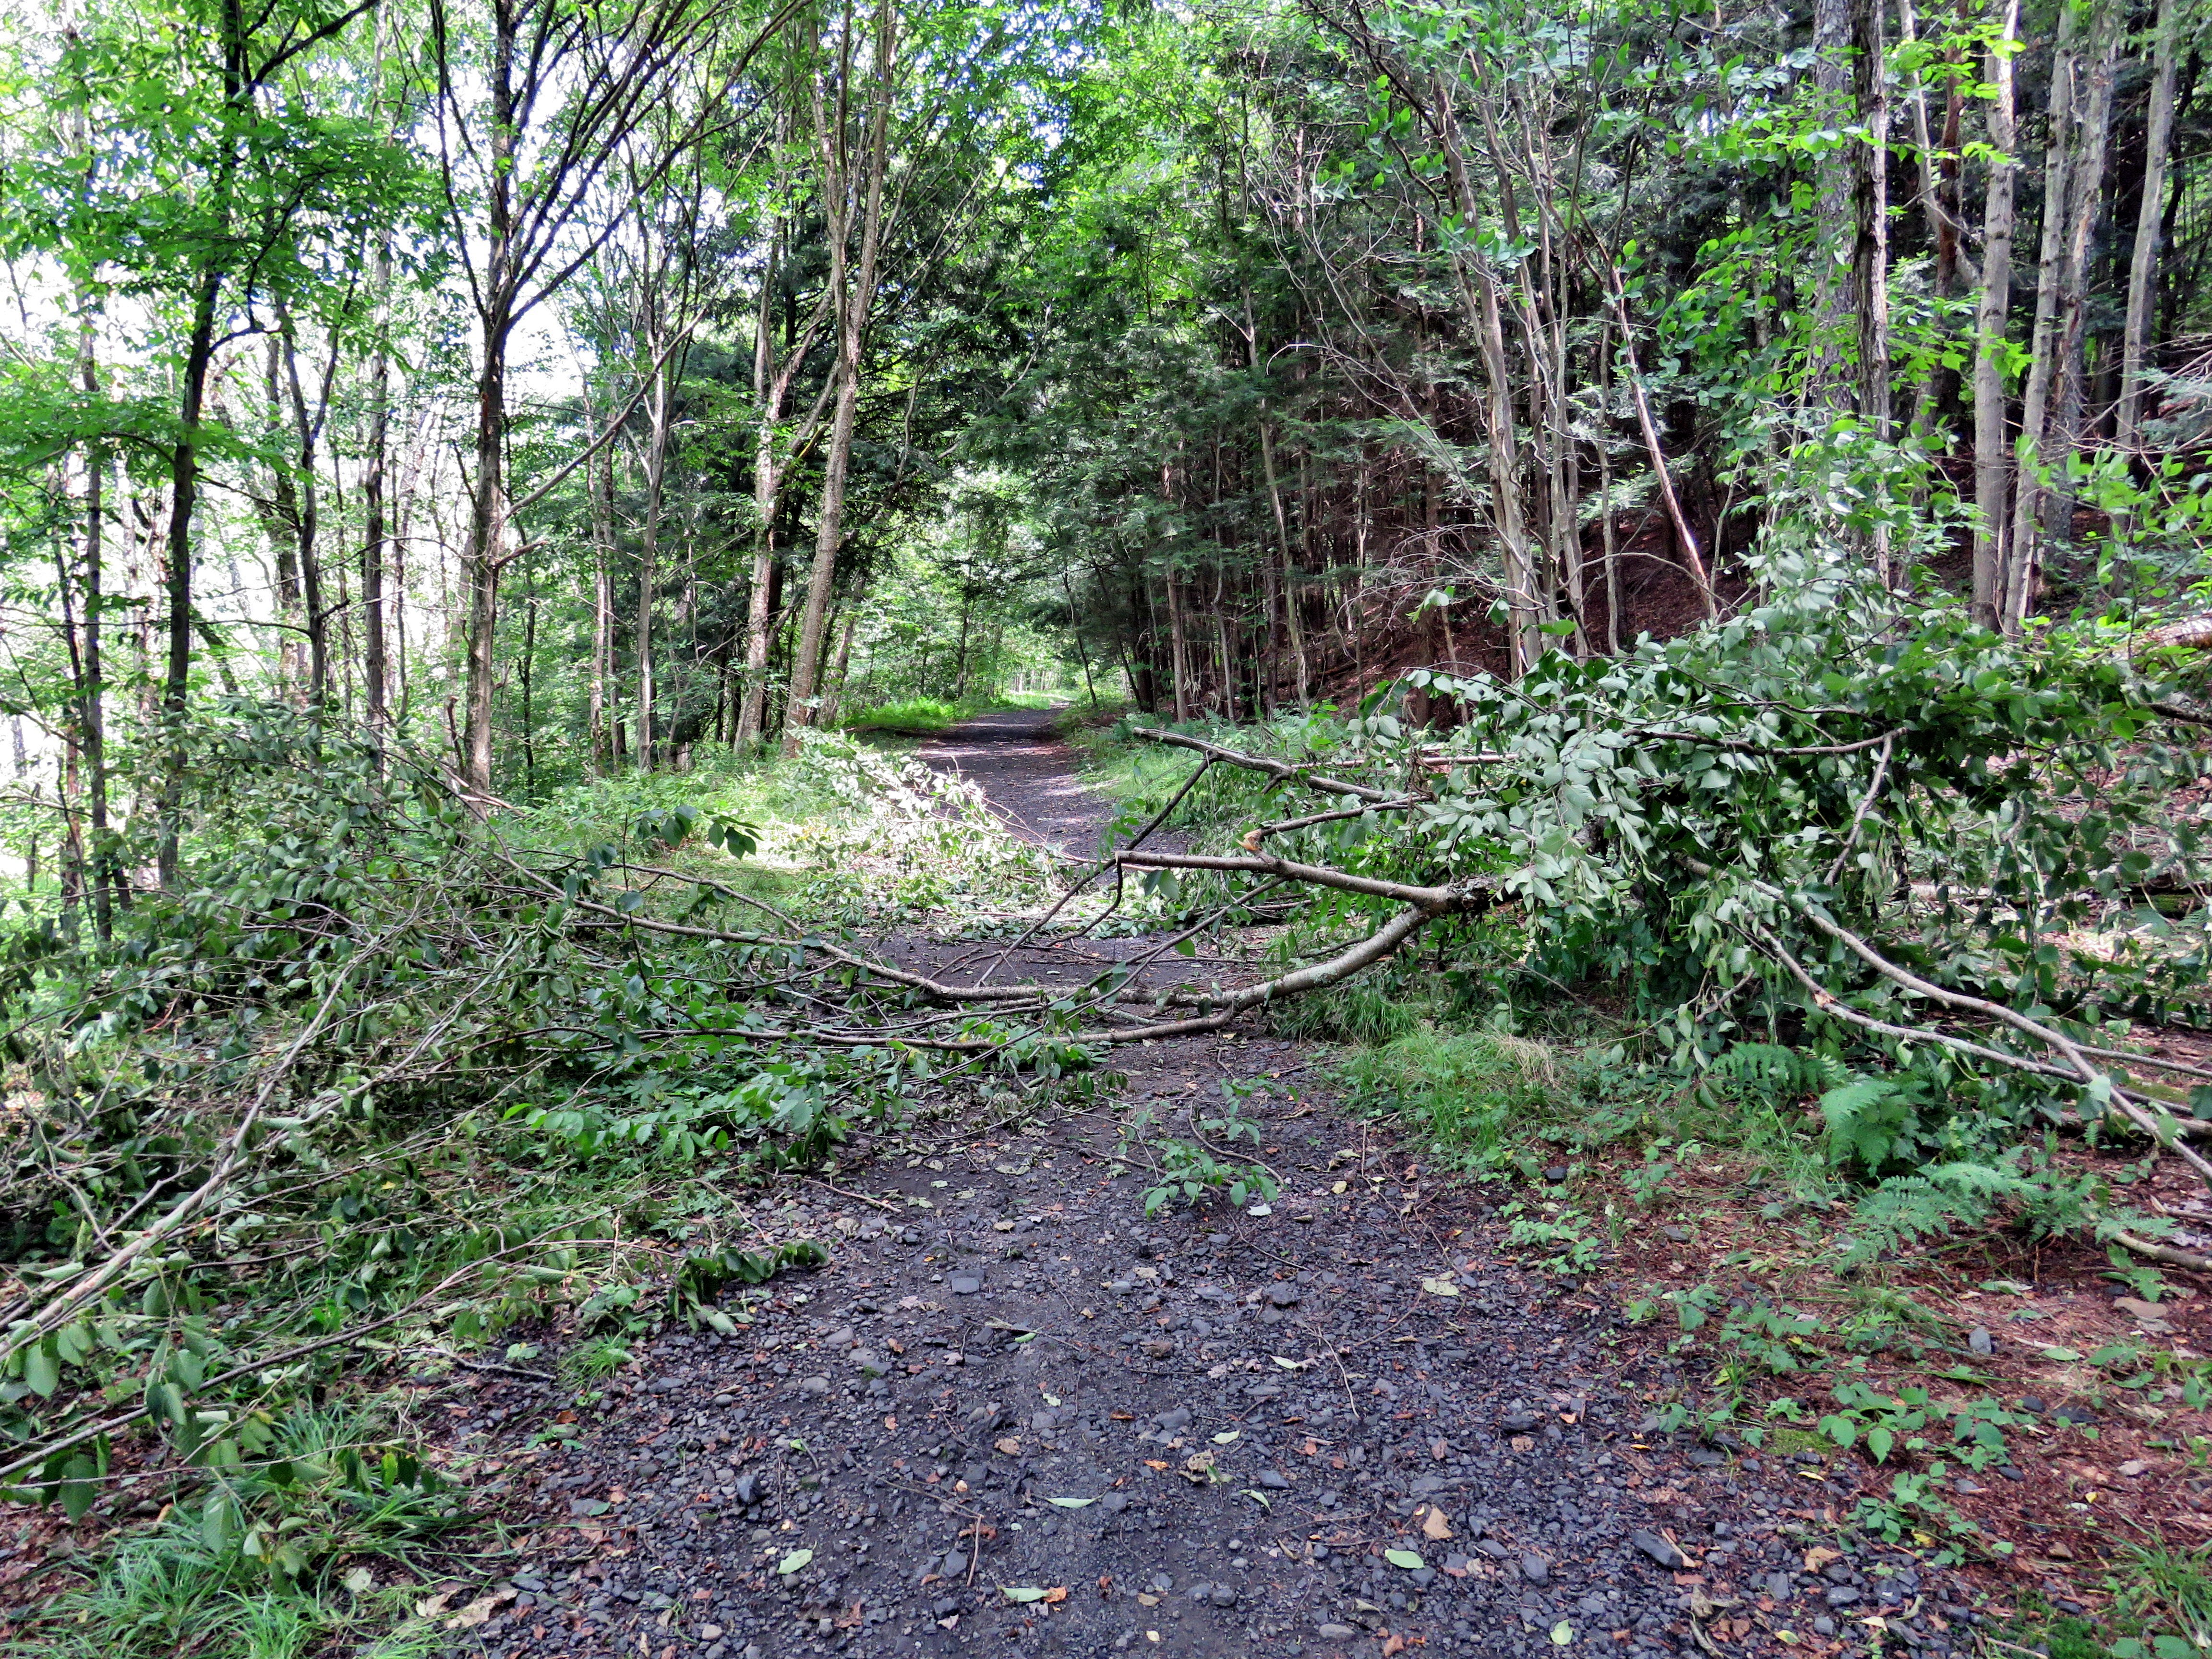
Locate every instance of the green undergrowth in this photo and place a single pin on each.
(2158, 1606)
(924, 717)
(1832, 1196)
(441, 1101)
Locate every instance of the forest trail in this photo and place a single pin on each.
(1027, 773)
(1014, 1415)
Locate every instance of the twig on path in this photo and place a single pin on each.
(858, 1198)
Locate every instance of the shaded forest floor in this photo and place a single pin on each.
(1016, 1414)
(1580, 1388)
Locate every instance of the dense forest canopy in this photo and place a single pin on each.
(561, 389)
(1705, 506)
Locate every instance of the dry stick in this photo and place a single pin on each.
(1274, 768)
(1684, 536)
(1138, 840)
(2171, 1254)
(1866, 804)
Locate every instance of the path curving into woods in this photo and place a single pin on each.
(1014, 1415)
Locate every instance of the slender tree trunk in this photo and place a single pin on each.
(376, 695)
(1870, 238)
(855, 300)
(1686, 539)
(656, 468)
(281, 520)
(1834, 176)
(2143, 268)
(1181, 646)
(1993, 520)
(599, 490)
(486, 532)
(2085, 202)
(306, 426)
(2080, 110)
(184, 497)
(2020, 557)
(105, 872)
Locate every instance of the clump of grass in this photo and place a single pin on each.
(1470, 1097)
(918, 716)
(1368, 1015)
(924, 717)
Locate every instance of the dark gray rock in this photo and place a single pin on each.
(1665, 1554)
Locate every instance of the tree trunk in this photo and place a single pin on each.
(2143, 268)
(1180, 646)
(2020, 559)
(1993, 522)
(2085, 200)
(1870, 238)
(856, 292)
(184, 497)
(480, 553)
(656, 468)
(307, 427)
(374, 693)
(1833, 171)
(2081, 109)
(599, 490)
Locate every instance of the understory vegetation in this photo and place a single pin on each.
(1814, 982)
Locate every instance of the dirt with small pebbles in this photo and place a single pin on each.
(1016, 1415)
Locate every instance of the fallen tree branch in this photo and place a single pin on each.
(1281, 770)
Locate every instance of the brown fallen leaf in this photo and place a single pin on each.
(481, 1609)
(1434, 1526)
(1011, 1447)
(1154, 1463)
(1819, 1556)
(1056, 1595)
(431, 1606)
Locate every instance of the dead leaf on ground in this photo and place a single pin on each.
(481, 1609)
(1434, 1525)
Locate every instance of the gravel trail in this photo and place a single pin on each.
(1014, 1415)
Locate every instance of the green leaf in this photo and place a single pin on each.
(1405, 1559)
(42, 1370)
(1072, 1502)
(1562, 1634)
(79, 1487)
(795, 1561)
(1023, 1593)
(2064, 1356)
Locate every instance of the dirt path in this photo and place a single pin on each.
(1027, 773)
(1014, 1415)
